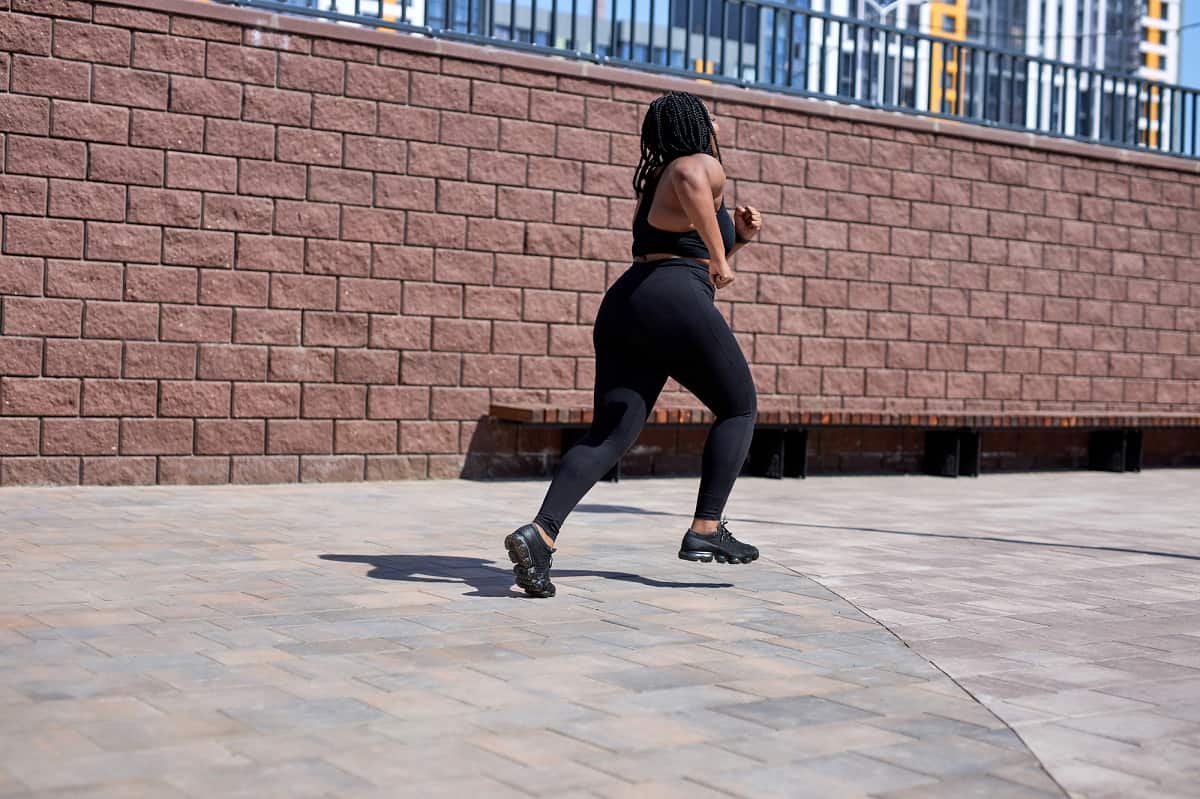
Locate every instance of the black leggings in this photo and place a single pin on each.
(658, 321)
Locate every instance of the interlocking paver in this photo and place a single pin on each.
(668, 700)
(781, 782)
(387, 763)
(1135, 727)
(450, 788)
(942, 757)
(326, 640)
(660, 789)
(1056, 741)
(1164, 761)
(786, 746)
(1078, 702)
(977, 787)
(167, 729)
(1091, 779)
(121, 789)
(555, 715)
(927, 725)
(306, 714)
(1028, 775)
(867, 773)
(536, 747)
(796, 711)
(634, 733)
(302, 778)
(675, 763)
(157, 763)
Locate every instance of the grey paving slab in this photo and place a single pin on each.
(796, 711)
(676, 763)
(652, 679)
(158, 763)
(943, 757)
(310, 777)
(449, 788)
(661, 789)
(330, 640)
(1091, 779)
(985, 787)
(118, 789)
(1135, 727)
(786, 746)
(306, 714)
(866, 773)
(668, 700)
(781, 782)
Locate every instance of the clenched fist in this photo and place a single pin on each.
(747, 221)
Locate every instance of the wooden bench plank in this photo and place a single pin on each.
(512, 413)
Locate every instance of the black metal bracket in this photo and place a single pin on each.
(1115, 450)
(572, 436)
(777, 453)
(953, 453)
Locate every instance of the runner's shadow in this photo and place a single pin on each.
(602, 508)
(487, 578)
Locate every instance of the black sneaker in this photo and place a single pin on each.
(720, 545)
(528, 550)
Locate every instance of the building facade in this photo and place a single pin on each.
(1072, 67)
(1075, 65)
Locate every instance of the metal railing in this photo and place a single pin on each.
(771, 45)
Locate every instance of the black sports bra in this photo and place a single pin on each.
(648, 239)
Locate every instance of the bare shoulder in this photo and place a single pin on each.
(700, 167)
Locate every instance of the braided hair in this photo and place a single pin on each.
(676, 124)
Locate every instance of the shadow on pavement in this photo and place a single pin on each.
(991, 538)
(484, 576)
(598, 508)
(994, 539)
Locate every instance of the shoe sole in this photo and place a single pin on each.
(518, 553)
(697, 556)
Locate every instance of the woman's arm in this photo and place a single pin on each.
(747, 221)
(698, 180)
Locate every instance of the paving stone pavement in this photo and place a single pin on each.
(1067, 603)
(364, 639)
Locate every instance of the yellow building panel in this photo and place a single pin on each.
(1153, 36)
(948, 20)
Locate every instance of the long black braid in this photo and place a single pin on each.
(676, 124)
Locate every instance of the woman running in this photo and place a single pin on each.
(658, 321)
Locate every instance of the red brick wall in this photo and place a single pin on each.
(315, 252)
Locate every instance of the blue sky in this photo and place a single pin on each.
(1189, 64)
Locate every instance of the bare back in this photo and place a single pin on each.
(682, 175)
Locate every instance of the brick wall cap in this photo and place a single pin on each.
(566, 67)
